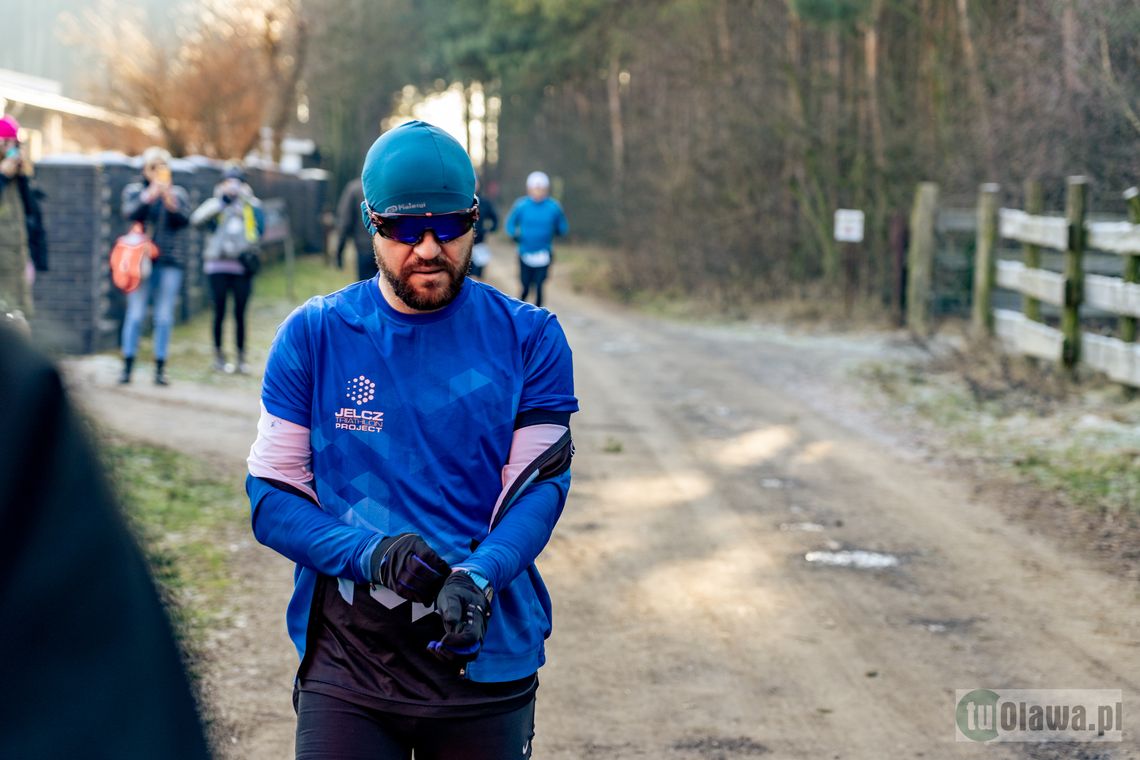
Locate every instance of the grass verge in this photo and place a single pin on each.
(593, 270)
(1080, 441)
(181, 510)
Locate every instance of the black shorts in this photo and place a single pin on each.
(532, 275)
(332, 729)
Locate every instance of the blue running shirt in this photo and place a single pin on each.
(411, 418)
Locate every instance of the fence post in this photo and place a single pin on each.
(1131, 264)
(1034, 204)
(982, 318)
(1076, 198)
(920, 262)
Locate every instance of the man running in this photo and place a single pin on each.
(412, 458)
(533, 223)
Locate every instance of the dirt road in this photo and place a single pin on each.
(688, 623)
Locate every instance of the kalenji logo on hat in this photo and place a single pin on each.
(402, 207)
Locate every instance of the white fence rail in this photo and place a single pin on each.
(1036, 283)
(1112, 294)
(1024, 336)
(1047, 231)
(1073, 234)
(1112, 356)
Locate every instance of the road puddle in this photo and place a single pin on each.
(948, 625)
(855, 558)
(801, 527)
(620, 347)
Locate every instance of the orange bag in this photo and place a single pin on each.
(131, 259)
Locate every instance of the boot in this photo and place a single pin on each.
(125, 375)
(219, 361)
(160, 372)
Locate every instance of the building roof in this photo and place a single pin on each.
(45, 94)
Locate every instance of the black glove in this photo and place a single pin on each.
(407, 565)
(465, 609)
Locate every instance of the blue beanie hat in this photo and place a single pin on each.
(417, 168)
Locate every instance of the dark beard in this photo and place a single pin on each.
(431, 300)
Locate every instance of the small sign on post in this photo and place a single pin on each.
(849, 225)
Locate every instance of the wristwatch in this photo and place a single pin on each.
(482, 583)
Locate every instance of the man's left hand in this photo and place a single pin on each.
(465, 610)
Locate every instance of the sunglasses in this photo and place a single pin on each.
(410, 229)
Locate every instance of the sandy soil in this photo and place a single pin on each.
(688, 623)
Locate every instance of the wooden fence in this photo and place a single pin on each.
(1071, 290)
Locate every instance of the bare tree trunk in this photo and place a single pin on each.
(924, 82)
(871, 53)
(285, 74)
(976, 86)
(1070, 48)
(467, 95)
(617, 133)
(724, 41)
(876, 231)
(793, 171)
(830, 117)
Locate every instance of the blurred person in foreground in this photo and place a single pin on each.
(413, 457)
(90, 666)
(349, 225)
(236, 222)
(487, 223)
(23, 243)
(163, 209)
(534, 221)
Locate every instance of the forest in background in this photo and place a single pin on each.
(708, 141)
(712, 140)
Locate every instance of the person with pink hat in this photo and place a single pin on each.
(23, 245)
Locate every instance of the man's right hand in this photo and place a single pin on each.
(407, 565)
(153, 192)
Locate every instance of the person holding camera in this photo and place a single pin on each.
(163, 209)
(23, 245)
(237, 222)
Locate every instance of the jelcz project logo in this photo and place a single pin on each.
(359, 390)
(1039, 715)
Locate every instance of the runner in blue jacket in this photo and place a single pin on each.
(412, 458)
(535, 220)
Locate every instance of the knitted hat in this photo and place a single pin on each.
(417, 168)
(9, 128)
(537, 179)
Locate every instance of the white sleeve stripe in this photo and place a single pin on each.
(281, 452)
